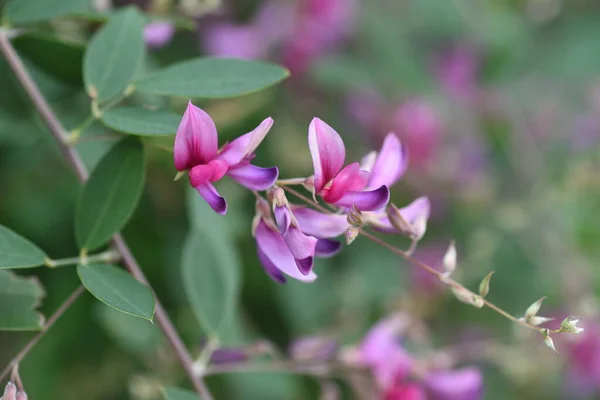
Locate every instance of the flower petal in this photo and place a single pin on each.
(367, 200)
(351, 178)
(390, 164)
(463, 384)
(270, 268)
(305, 265)
(234, 152)
(300, 245)
(201, 174)
(320, 225)
(275, 249)
(410, 213)
(327, 151)
(212, 197)
(196, 141)
(253, 177)
(327, 248)
(282, 218)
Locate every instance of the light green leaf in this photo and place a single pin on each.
(171, 393)
(114, 55)
(139, 121)
(117, 289)
(27, 11)
(211, 270)
(18, 252)
(111, 194)
(211, 77)
(60, 59)
(18, 299)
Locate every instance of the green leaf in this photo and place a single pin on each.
(171, 393)
(117, 289)
(18, 252)
(18, 299)
(211, 270)
(210, 77)
(27, 11)
(60, 59)
(139, 121)
(111, 194)
(114, 55)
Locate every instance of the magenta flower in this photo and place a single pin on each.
(462, 384)
(387, 166)
(238, 41)
(584, 361)
(406, 391)
(342, 187)
(196, 150)
(158, 34)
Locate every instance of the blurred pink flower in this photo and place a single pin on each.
(158, 34)
(462, 384)
(238, 41)
(457, 71)
(584, 361)
(196, 149)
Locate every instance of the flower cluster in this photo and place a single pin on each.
(290, 236)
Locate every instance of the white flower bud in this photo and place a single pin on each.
(398, 221)
(548, 340)
(351, 234)
(533, 309)
(449, 261)
(570, 325)
(420, 227)
(468, 297)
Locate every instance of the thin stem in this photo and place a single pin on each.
(319, 369)
(34, 340)
(74, 160)
(107, 256)
(443, 278)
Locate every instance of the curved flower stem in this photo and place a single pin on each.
(74, 160)
(443, 278)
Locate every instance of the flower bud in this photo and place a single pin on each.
(10, 392)
(277, 196)
(570, 325)
(535, 321)
(398, 221)
(351, 234)
(449, 261)
(313, 348)
(420, 227)
(468, 297)
(533, 309)
(355, 217)
(484, 286)
(548, 340)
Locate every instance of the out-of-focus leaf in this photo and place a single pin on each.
(343, 72)
(111, 194)
(171, 393)
(131, 333)
(264, 386)
(211, 270)
(210, 77)
(27, 11)
(60, 59)
(19, 297)
(114, 55)
(18, 252)
(117, 289)
(139, 121)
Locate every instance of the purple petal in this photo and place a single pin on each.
(253, 177)
(327, 248)
(196, 141)
(282, 218)
(390, 163)
(320, 225)
(269, 267)
(419, 207)
(327, 151)
(275, 249)
(233, 153)
(305, 265)
(367, 200)
(158, 34)
(212, 197)
(236, 41)
(463, 384)
(211, 172)
(351, 178)
(301, 245)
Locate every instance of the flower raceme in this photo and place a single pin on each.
(343, 187)
(196, 150)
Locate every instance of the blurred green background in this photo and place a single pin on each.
(509, 159)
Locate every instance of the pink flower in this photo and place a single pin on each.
(238, 41)
(406, 391)
(584, 361)
(158, 34)
(417, 211)
(387, 166)
(342, 187)
(457, 71)
(462, 384)
(196, 150)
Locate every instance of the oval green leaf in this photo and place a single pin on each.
(19, 297)
(27, 11)
(18, 252)
(114, 55)
(211, 77)
(60, 59)
(110, 195)
(171, 393)
(211, 269)
(117, 289)
(140, 121)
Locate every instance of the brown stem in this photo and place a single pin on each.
(74, 160)
(449, 281)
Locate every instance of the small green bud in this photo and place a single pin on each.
(449, 260)
(468, 297)
(547, 339)
(484, 286)
(570, 325)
